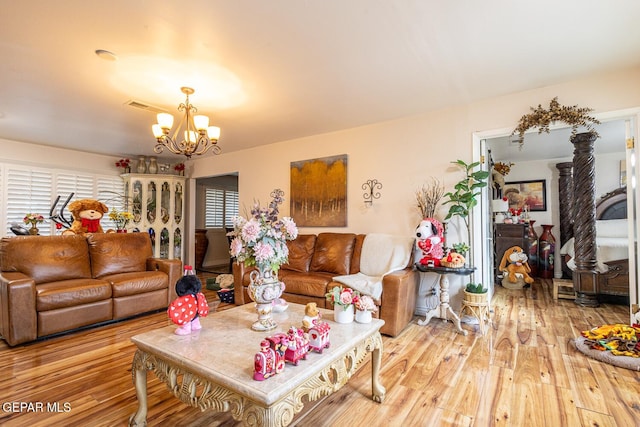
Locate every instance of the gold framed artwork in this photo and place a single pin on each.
(319, 192)
(532, 193)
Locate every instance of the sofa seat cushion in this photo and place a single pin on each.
(70, 293)
(311, 284)
(140, 282)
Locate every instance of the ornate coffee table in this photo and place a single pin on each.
(213, 368)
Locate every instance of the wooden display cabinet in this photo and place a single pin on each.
(157, 204)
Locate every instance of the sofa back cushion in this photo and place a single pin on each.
(357, 252)
(300, 253)
(46, 258)
(333, 252)
(118, 252)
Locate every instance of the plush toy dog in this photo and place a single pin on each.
(191, 303)
(87, 214)
(429, 240)
(514, 262)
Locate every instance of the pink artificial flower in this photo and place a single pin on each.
(251, 231)
(346, 297)
(236, 247)
(263, 252)
(290, 227)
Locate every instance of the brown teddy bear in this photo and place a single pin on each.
(87, 214)
(311, 316)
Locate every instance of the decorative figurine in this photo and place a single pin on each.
(264, 362)
(514, 263)
(311, 316)
(185, 311)
(297, 345)
(430, 241)
(319, 336)
(270, 360)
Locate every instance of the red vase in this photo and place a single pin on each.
(546, 252)
(121, 231)
(533, 250)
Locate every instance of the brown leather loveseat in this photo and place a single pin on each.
(53, 284)
(314, 260)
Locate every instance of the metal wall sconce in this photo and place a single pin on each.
(370, 194)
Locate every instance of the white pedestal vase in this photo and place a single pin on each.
(342, 314)
(264, 289)
(363, 316)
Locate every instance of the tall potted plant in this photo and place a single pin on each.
(461, 202)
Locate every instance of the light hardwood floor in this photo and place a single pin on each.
(525, 372)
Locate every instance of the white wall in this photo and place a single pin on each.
(42, 155)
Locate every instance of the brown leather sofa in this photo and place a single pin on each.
(313, 262)
(53, 284)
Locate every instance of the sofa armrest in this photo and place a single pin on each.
(172, 268)
(239, 293)
(18, 316)
(398, 300)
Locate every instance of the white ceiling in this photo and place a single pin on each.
(268, 71)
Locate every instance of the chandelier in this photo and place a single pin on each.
(198, 136)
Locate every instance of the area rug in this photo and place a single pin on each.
(616, 344)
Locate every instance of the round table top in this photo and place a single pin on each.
(464, 271)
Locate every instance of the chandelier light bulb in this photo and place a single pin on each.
(201, 122)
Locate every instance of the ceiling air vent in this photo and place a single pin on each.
(144, 106)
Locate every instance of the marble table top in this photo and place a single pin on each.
(223, 350)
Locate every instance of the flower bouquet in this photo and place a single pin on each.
(345, 298)
(179, 168)
(364, 308)
(121, 219)
(261, 240)
(33, 219)
(365, 303)
(124, 164)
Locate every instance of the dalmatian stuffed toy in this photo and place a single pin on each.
(430, 241)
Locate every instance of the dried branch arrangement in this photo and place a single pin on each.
(428, 198)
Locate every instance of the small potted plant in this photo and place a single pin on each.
(365, 307)
(475, 293)
(343, 300)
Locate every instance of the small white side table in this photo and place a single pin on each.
(444, 310)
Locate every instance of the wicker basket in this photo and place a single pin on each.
(451, 264)
(474, 298)
(226, 296)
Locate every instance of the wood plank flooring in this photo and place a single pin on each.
(525, 372)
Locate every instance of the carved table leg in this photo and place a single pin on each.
(139, 372)
(445, 308)
(376, 361)
(429, 315)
